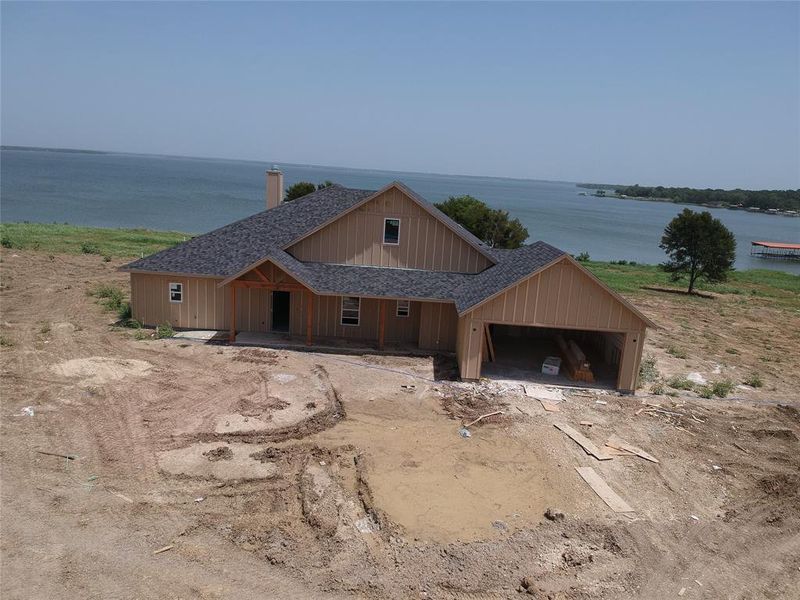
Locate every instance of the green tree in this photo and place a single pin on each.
(298, 190)
(492, 226)
(304, 188)
(699, 247)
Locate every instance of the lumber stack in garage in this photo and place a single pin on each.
(575, 361)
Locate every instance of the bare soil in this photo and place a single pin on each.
(278, 474)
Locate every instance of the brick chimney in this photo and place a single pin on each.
(274, 187)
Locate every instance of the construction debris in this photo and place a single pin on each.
(615, 442)
(67, 456)
(549, 406)
(601, 488)
(583, 442)
(491, 414)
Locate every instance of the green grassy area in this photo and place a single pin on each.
(764, 283)
(71, 239)
(130, 243)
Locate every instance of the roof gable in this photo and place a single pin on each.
(426, 206)
(561, 295)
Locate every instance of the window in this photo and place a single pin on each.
(391, 231)
(176, 292)
(403, 308)
(351, 308)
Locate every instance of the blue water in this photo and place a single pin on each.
(196, 195)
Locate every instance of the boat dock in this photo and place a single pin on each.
(775, 250)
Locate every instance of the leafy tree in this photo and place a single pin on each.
(492, 226)
(303, 188)
(699, 247)
(298, 190)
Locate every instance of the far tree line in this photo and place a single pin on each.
(762, 199)
(699, 246)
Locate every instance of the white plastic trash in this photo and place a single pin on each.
(551, 365)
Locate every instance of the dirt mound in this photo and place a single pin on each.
(255, 407)
(256, 356)
(219, 453)
(99, 370)
(777, 434)
(468, 405)
(781, 486)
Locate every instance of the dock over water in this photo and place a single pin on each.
(775, 250)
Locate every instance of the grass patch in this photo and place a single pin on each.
(677, 352)
(720, 389)
(761, 283)
(647, 370)
(71, 239)
(679, 382)
(164, 331)
(753, 380)
(113, 299)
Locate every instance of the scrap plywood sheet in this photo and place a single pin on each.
(601, 488)
(583, 442)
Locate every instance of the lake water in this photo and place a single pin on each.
(196, 195)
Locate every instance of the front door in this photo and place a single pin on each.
(280, 311)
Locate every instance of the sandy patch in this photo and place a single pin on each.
(201, 460)
(97, 370)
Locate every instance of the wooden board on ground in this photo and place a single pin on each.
(583, 442)
(600, 487)
(549, 406)
(618, 444)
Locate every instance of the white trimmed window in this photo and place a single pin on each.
(351, 310)
(176, 292)
(403, 308)
(391, 231)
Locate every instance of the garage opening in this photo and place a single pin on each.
(560, 356)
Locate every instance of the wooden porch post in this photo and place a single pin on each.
(232, 336)
(382, 324)
(309, 317)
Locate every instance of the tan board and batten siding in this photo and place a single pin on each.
(357, 239)
(206, 306)
(561, 296)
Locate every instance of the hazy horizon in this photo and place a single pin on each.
(684, 95)
(278, 163)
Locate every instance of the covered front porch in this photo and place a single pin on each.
(268, 306)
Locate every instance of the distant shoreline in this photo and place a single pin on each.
(601, 189)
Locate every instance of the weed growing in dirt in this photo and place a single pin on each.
(677, 352)
(106, 258)
(6, 341)
(89, 248)
(44, 329)
(720, 389)
(679, 382)
(111, 296)
(124, 313)
(705, 391)
(141, 334)
(731, 351)
(647, 370)
(6, 242)
(753, 380)
(164, 331)
(657, 388)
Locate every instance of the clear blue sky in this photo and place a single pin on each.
(699, 94)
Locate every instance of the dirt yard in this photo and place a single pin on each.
(279, 474)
